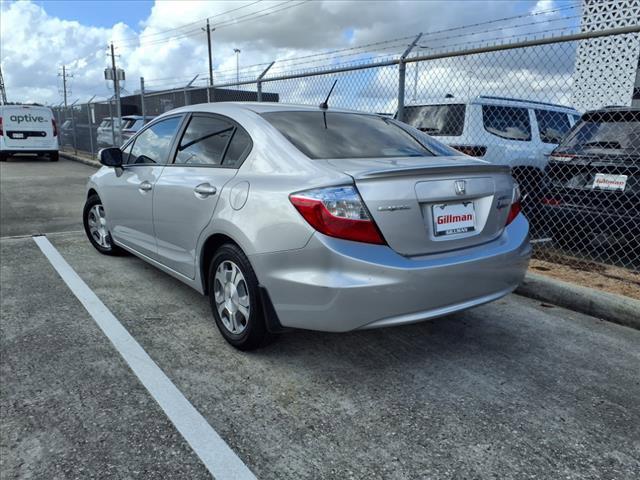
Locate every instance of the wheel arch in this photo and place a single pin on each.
(208, 250)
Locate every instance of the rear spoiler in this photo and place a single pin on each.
(444, 169)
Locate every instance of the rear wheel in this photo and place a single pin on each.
(54, 157)
(94, 220)
(3, 157)
(234, 299)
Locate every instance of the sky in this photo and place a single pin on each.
(163, 40)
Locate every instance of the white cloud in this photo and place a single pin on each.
(34, 44)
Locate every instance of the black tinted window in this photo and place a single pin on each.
(204, 142)
(507, 122)
(238, 148)
(445, 120)
(553, 126)
(345, 135)
(617, 132)
(152, 146)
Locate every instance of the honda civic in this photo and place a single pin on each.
(309, 217)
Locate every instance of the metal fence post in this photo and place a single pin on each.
(402, 73)
(113, 131)
(259, 81)
(73, 126)
(90, 123)
(144, 112)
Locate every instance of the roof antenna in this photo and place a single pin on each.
(325, 105)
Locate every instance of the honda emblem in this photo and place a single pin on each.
(461, 187)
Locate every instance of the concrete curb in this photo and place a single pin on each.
(77, 158)
(607, 306)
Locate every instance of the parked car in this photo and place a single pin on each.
(28, 129)
(107, 131)
(292, 216)
(500, 130)
(594, 181)
(133, 123)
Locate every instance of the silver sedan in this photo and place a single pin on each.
(301, 217)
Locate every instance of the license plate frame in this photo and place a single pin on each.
(453, 218)
(610, 182)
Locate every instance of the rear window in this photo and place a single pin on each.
(610, 131)
(444, 120)
(321, 135)
(553, 126)
(507, 122)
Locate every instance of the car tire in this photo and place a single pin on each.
(54, 156)
(95, 229)
(233, 289)
(3, 157)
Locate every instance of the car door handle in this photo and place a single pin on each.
(205, 189)
(145, 186)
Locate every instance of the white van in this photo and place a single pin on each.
(28, 129)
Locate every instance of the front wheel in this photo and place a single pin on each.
(234, 299)
(95, 226)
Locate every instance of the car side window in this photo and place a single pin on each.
(152, 146)
(204, 141)
(511, 123)
(553, 126)
(238, 148)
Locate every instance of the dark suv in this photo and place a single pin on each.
(592, 198)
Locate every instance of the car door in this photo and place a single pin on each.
(128, 196)
(208, 155)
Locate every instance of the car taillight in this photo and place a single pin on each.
(337, 212)
(55, 127)
(516, 207)
(471, 150)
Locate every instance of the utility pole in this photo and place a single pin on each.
(116, 89)
(209, 30)
(65, 91)
(3, 92)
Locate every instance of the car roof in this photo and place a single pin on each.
(614, 108)
(501, 101)
(256, 107)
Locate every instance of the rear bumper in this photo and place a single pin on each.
(337, 285)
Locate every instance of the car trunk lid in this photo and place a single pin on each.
(432, 204)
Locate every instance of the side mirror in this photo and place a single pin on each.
(111, 157)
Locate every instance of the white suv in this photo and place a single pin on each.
(500, 130)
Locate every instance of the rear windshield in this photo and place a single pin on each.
(617, 132)
(445, 120)
(322, 135)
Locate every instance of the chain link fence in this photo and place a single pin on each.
(556, 110)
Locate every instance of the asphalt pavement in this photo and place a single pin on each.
(513, 389)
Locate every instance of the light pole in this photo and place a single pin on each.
(237, 50)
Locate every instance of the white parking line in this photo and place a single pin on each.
(216, 455)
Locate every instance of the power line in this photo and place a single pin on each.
(232, 22)
(138, 37)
